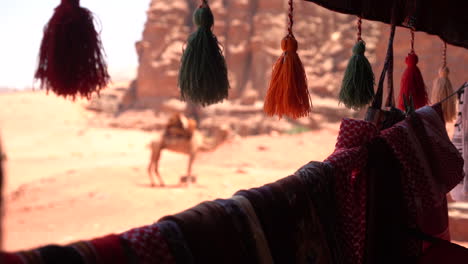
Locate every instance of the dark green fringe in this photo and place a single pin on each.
(203, 77)
(357, 88)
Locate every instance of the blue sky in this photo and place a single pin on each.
(22, 22)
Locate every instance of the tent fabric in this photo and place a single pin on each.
(446, 19)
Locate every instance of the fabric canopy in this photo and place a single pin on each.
(447, 19)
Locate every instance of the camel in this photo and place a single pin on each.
(182, 136)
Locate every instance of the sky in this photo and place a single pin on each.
(22, 23)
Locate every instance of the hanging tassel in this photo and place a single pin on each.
(412, 83)
(357, 88)
(70, 58)
(442, 88)
(203, 77)
(288, 93)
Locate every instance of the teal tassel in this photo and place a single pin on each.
(357, 88)
(203, 77)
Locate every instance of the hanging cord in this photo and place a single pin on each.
(204, 3)
(374, 113)
(412, 39)
(444, 55)
(359, 29)
(290, 18)
(377, 103)
(390, 97)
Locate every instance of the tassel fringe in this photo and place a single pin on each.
(412, 84)
(71, 59)
(203, 76)
(357, 88)
(288, 93)
(442, 88)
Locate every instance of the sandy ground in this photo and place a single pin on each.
(68, 181)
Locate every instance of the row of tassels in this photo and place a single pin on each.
(413, 86)
(71, 63)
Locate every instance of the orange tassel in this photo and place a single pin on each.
(288, 93)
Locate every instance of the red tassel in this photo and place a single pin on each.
(70, 58)
(412, 84)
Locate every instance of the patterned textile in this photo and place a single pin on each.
(417, 173)
(386, 228)
(210, 234)
(444, 252)
(241, 227)
(53, 254)
(86, 250)
(109, 250)
(282, 222)
(263, 251)
(422, 146)
(445, 160)
(397, 137)
(446, 166)
(349, 160)
(149, 245)
(460, 134)
(306, 233)
(10, 258)
(176, 242)
(30, 257)
(268, 212)
(318, 178)
(414, 183)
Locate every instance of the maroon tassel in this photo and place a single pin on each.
(412, 84)
(71, 62)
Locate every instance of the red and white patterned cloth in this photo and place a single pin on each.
(415, 170)
(348, 160)
(149, 245)
(447, 161)
(431, 166)
(425, 185)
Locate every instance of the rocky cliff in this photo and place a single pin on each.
(250, 32)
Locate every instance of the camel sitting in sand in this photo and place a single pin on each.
(181, 135)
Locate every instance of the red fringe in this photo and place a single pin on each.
(412, 84)
(71, 62)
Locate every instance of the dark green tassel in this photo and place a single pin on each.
(203, 77)
(357, 88)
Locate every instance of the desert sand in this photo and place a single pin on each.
(67, 180)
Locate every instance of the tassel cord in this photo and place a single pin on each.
(290, 18)
(359, 28)
(444, 55)
(412, 40)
